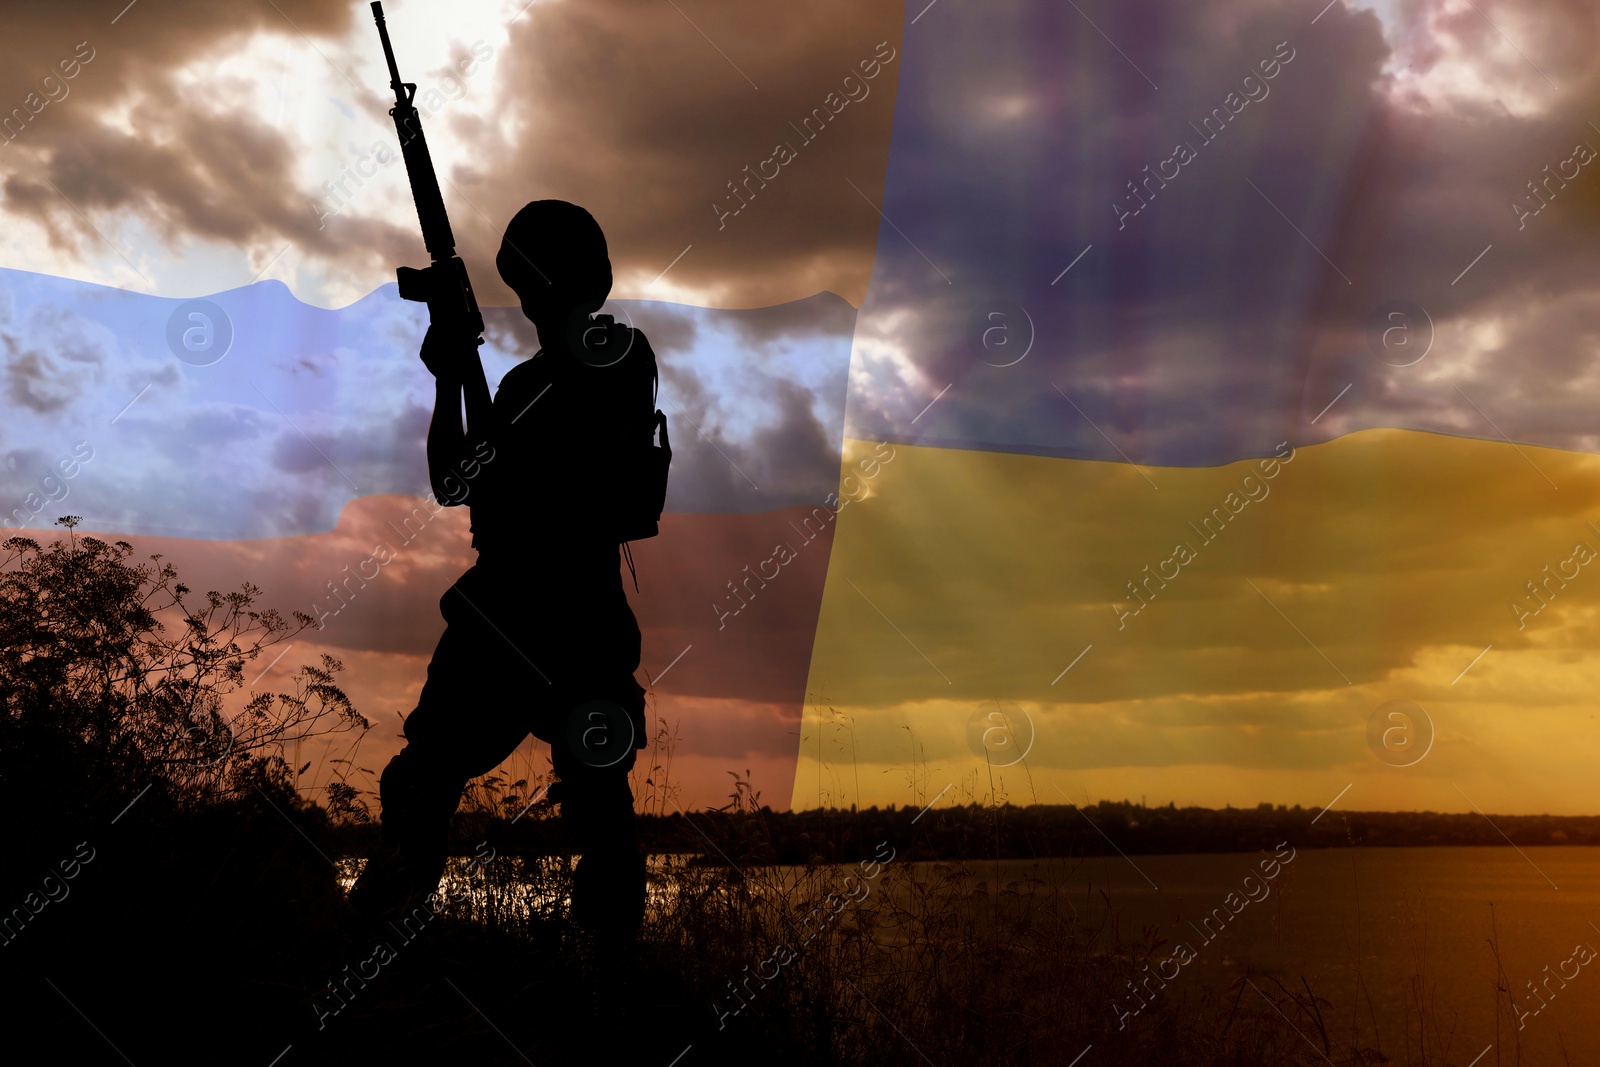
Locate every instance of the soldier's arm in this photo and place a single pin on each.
(448, 445)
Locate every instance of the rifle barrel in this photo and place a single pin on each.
(388, 51)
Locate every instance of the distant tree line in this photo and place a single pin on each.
(1051, 830)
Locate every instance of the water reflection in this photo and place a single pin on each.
(517, 887)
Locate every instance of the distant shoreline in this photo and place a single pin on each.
(1052, 831)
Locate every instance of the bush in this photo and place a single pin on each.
(114, 679)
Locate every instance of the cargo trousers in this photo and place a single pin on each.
(544, 649)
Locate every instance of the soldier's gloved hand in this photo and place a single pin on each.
(445, 353)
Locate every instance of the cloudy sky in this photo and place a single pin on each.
(1082, 266)
(187, 152)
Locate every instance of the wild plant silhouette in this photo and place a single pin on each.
(151, 823)
(114, 675)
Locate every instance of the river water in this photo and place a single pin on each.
(1370, 929)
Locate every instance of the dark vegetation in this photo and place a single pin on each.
(168, 897)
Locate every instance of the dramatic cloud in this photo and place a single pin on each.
(257, 139)
(1242, 241)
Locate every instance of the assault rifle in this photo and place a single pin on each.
(443, 285)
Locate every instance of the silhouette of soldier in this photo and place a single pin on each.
(539, 635)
